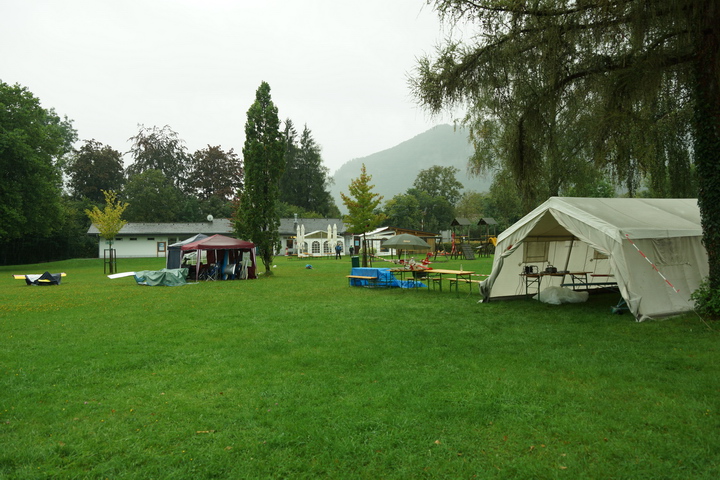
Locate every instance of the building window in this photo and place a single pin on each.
(152, 239)
(315, 247)
(133, 239)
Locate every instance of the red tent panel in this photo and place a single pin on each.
(218, 242)
(221, 242)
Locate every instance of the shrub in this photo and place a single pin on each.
(707, 301)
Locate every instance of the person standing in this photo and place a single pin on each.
(338, 249)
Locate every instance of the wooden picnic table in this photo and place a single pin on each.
(436, 275)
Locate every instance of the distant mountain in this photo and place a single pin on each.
(394, 170)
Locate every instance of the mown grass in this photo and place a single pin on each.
(300, 376)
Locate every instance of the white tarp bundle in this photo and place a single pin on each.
(652, 248)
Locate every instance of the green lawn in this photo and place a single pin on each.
(299, 375)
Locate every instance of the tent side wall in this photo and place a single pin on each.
(663, 287)
(221, 256)
(174, 257)
(175, 253)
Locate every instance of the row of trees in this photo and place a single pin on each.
(164, 183)
(47, 185)
(434, 200)
(167, 184)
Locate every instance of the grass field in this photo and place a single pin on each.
(298, 375)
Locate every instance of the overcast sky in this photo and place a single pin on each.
(339, 66)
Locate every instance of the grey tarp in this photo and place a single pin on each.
(168, 277)
(652, 249)
(174, 253)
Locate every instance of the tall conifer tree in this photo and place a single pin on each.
(257, 217)
(362, 205)
(305, 181)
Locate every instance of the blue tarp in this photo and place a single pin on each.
(385, 278)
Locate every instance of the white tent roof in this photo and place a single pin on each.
(636, 217)
(668, 230)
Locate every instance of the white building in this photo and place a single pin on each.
(313, 236)
(152, 239)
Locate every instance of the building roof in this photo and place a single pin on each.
(218, 242)
(217, 226)
(399, 231)
(221, 226)
(460, 222)
(417, 233)
(288, 226)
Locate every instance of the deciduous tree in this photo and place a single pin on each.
(403, 211)
(439, 181)
(257, 217)
(93, 168)
(215, 173)
(153, 198)
(33, 141)
(418, 210)
(159, 149)
(109, 220)
(436, 212)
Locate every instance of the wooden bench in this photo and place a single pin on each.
(455, 281)
(591, 283)
(370, 280)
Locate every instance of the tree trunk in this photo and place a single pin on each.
(707, 125)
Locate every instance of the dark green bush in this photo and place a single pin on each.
(707, 301)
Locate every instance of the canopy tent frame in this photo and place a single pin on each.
(234, 252)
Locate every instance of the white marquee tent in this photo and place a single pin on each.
(651, 248)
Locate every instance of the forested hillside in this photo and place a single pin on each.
(394, 170)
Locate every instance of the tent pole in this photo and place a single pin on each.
(567, 260)
(197, 264)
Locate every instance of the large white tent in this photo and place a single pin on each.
(651, 248)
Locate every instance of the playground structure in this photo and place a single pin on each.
(461, 245)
